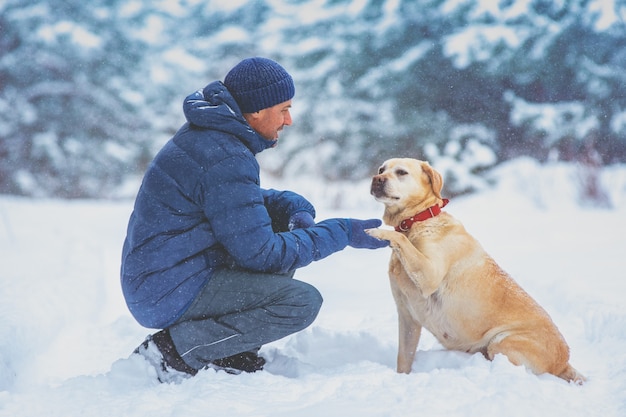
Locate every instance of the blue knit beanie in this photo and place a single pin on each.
(259, 83)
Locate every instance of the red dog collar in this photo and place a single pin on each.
(430, 212)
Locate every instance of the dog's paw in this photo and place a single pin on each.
(380, 233)
(395, 239)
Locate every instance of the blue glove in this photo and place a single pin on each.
(301, 220)
(360, 239)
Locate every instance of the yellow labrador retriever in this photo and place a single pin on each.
(443, 280)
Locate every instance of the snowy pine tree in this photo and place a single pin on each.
(90, 91)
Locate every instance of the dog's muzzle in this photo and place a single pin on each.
(378, 186)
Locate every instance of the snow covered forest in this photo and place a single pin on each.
(90, 90)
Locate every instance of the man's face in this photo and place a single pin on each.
(268, 122)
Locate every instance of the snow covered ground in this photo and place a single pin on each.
(65, 333)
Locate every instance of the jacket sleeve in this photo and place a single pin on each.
(236, 208)
(281, 205)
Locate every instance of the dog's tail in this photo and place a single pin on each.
(570, 374)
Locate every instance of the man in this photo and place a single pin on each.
(209, 255)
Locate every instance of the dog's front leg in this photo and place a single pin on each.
(418, 267)
(409, 332)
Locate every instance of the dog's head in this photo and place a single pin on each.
(405, 183)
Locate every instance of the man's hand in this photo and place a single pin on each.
(301, 220)
(360, 239)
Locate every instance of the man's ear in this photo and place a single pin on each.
(436, 180)
(251, 117)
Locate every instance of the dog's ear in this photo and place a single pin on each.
(436, 180)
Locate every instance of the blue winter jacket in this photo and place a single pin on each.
(200, 207)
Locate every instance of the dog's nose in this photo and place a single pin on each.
(378, 186)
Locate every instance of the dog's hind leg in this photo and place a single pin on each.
(533, 354)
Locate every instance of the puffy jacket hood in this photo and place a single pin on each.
(215, 108)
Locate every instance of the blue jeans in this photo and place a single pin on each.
(238, 311)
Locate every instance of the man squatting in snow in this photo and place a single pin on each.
(209, 255)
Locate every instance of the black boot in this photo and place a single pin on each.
(241, 362)
(158, 349)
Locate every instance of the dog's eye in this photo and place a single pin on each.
(401, 172)
(381, 170)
